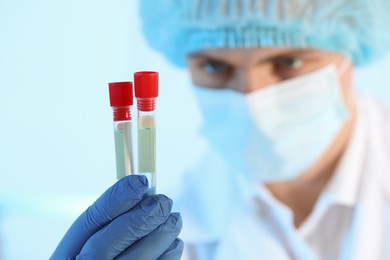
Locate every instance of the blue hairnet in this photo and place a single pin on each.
(357, 28)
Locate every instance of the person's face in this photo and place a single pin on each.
(246, 70)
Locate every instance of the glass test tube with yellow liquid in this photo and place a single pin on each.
(121, 100)
(146, 92)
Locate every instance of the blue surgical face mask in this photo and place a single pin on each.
(278, 132)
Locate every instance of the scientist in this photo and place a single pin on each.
(298, 164)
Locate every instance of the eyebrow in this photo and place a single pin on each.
(286, 52)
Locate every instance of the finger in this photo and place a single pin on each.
(174, 252)
(128, 228)
(157, 242)
(115, 201)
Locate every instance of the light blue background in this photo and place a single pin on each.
(56, 140)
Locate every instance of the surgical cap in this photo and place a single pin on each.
(358, 29)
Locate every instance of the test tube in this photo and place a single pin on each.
(121, 100)
(146, 92)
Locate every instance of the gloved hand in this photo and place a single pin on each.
(121, 224)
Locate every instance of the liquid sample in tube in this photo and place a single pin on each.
(123, 149)
(147, 148)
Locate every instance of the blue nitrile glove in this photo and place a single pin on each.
(122, 224)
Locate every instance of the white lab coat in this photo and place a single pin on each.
(225, 217)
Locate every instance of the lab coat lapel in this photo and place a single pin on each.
(367, 235)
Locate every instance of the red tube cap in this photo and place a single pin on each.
(146, 84)
(121, 94)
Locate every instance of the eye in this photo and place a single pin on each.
(289, 63)
(289, 66)
(215, 67)
(292, 63)
(209, 72)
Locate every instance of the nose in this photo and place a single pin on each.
(250, 79)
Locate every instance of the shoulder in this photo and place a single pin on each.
(376, 116)
(378, 110)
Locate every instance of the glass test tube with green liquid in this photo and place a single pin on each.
(121, 100)
(146, 92)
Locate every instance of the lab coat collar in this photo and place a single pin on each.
(343, 188)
